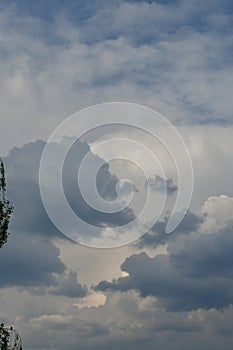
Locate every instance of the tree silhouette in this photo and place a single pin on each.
(6, 207)
(4, 337)
(9, 338)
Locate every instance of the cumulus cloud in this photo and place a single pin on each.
(31, 258)
(126, 321)
(196, 272)
(22, 166)
(28, 261)
(157, 234)
(68, 286)
(106, 185)
(174, 56)
(160, 184)
(33, 263)
(218, 213)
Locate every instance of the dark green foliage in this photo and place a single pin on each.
(9, 339)
(6, 207)
(4, 338)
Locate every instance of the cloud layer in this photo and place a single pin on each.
(61, 58)
(165, 291)
(195, 273)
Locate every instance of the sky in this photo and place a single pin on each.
(119, 286)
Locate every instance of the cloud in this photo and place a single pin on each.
(161, 184)
(106, 185)
(176, 57)
(126, 321)
(196, 272)
(127, 18)
(32, 263)
(218, 213)
(157, 235)
(29, 261)
(68, 286)
(22, 166)
(168, 56)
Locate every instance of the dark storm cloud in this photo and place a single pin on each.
(105, 183)
(157, 235)
(33, 263)
(22, 167)
(29, 261)
(196, 273)
(30, 258)
(68, 286)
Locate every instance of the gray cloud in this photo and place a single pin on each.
(157, 235)
(125, 18)
(60, 56)
(68, 286)
(161, 184)
(127, 321)
(32, 262)
(22, 166)
(29, 261)
(31, 258)
(106, 185)
(196, 272)
(186, 74)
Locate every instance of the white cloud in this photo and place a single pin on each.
(49, 71)
(124, 321)
(218, 212)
